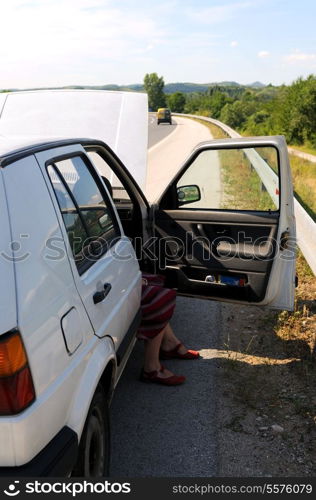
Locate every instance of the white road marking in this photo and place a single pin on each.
(160, 143)
(166, 157)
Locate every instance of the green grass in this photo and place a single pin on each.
(242, 185)
(303, 172)
(304, 180)
(305, 149)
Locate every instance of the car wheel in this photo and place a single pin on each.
(94, 448)
(158, 123)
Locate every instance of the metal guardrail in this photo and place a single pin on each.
(305, 226)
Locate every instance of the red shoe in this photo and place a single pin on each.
(174, 353)
(155, 379)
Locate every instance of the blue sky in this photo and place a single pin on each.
(62, 42)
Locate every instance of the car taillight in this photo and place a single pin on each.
(16, 384)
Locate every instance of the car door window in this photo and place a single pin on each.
(119, 193)
(230, 179)
(87, 214)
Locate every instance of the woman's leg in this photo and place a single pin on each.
(170, 341)
(151, 361)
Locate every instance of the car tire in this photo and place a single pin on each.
(158, 123)
(94, 448)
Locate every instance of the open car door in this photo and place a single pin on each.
(225, 225)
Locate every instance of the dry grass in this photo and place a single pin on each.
(301, 324)
(217, 132)
(269, 377)
(304, 180)
(267, 373)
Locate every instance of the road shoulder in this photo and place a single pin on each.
(267, 397)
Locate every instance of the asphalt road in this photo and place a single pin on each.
(158, 132)
(169, 152)
(206, 173)
(171, 431)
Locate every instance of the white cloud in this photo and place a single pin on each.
(263, 53)
(44, 41)
(234, 43)
(298, 56)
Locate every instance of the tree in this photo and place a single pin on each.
(176, 102)
(259, 123)
(217, 102)
(154, 85)
(298, 111)
(235, 115)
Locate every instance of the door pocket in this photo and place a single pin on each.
(212, 284)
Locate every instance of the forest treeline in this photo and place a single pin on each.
(289, 110)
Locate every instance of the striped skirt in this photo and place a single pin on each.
(157, 306)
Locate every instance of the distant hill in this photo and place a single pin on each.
(170, 88)
(186, 87)
(256, 85)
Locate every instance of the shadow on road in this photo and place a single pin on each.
(170, 431)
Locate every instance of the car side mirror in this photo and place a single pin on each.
(188, 194)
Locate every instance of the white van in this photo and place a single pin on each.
(72, 247)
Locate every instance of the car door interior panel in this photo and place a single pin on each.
(223, 222)
(205, 256)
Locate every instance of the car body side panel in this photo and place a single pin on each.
(8, 313)
(65, 402)
(45, 293)
(7, 292)
(95, 362)
(118, 267)
(45, 286)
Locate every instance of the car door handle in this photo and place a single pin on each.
(100, 296)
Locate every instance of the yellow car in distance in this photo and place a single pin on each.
(164, 116)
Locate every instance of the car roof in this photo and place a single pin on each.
(9, 145)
